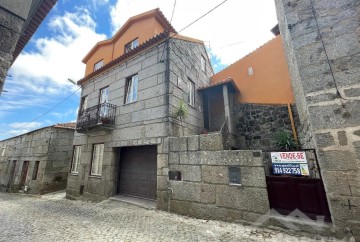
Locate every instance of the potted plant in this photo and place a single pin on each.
(181, 112)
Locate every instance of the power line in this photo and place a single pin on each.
(48, 111)
(187, 26)
(172, 15)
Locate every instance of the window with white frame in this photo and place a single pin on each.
(2, 151)
(131, 89)
(76, 159)
(98, 65)
(203, 64)
(103, 99)
(83, 105)
(131, 45)
(191, 93)
(97, 159)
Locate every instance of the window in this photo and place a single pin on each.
(132, 45)
(76, 159)
(234, 175)
(131, 89)
(3, 151)
(36, 170)
(83, 104)
(96, 165)
(191, 96)
(250, 71)
(104, 98)
(203, 64)
(98, 65)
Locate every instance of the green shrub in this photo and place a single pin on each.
(284, 141)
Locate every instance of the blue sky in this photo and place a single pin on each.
(37, 80)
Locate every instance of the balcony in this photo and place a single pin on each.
(99, 117)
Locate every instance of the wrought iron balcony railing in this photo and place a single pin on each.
(99, 115)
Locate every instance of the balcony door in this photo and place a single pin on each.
(104, 98)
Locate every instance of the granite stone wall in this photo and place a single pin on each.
(321, 40)
(256, 124)
(52, 147)
(10, 28)
(185, 66)
(204, 190)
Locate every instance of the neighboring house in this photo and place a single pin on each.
(38, 161)
(260, 97)
(19, 20)
(132, 86)
(262, 76)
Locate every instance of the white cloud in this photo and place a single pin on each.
(247, 23)
(18, 128)
(57, 58)
(31, 125)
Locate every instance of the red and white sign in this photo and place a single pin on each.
(288, 157)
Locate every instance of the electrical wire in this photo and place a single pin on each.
(327, 57)
(172, 15)
(196, 20)
(48, 111)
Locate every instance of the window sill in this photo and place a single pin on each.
(130, 103)
(74, 174)
(95, 176)
(235, 184)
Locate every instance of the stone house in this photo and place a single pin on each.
(127, 138)
(133, 84)
(261, 100)
(18, 22)
(37, 162)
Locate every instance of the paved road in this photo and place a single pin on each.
(53, 218)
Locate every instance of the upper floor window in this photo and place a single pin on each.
(203, 64)
(131, 89)
(104, 98)
(131, 45)
(97, 159)
(3, 151)
(98, 65)
(191, 94)
(76, 159)
(83, 104)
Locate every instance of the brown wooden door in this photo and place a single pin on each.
(138, 171)
(306, 194)
(12, 172)
(24, 173)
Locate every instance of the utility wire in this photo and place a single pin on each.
(338, 93)
(196, 20)
(48, 111)
(172, 15)
(187, 26)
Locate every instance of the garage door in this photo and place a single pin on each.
(138, 171)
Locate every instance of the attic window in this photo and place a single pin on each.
(98, 65)
(132, 45)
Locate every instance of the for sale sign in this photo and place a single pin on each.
(290, 163)
(288, 157)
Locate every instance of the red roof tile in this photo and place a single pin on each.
(127, 55)
(70, 125)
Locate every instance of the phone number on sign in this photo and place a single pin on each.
(287, 170)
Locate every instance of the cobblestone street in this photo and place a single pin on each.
(46, 218)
